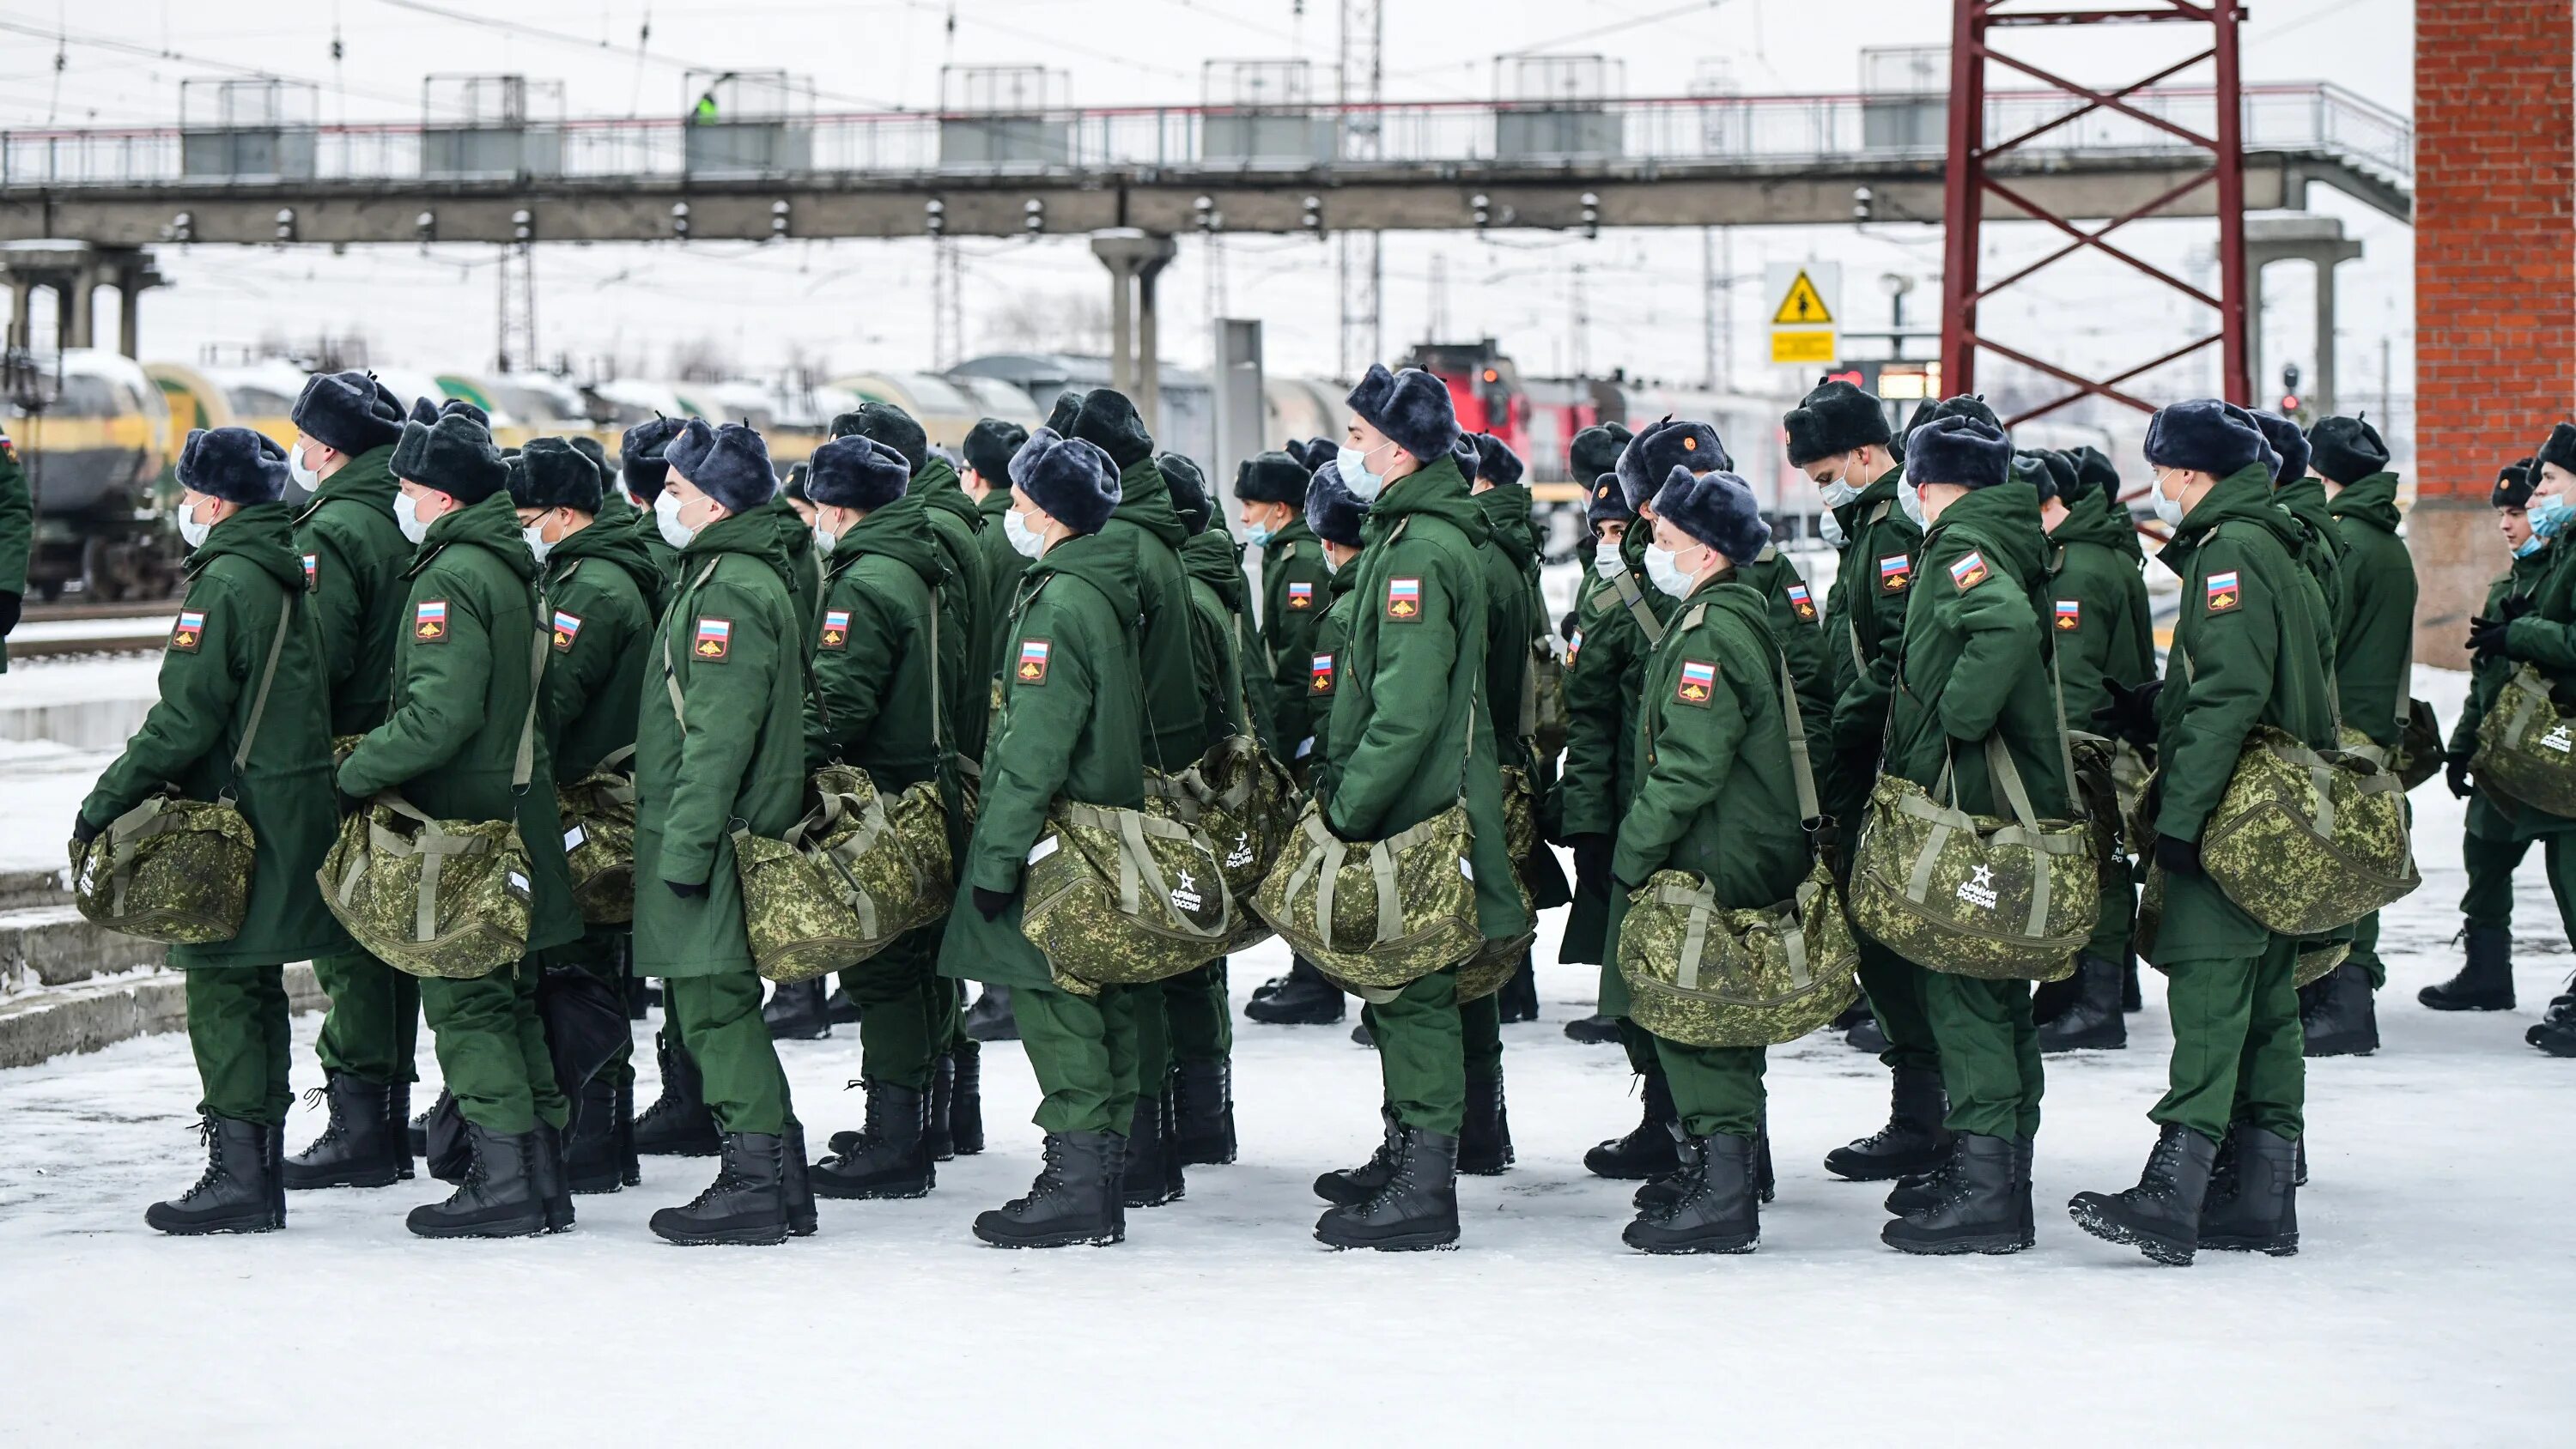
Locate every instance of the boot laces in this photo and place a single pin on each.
(212, 1143)
(333, 1128)
(1050, 1178)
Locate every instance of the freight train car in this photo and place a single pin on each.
(91, 429)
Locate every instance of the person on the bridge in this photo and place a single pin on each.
(17, 541)
(1593, 455)
(353, 555)
(243, 714)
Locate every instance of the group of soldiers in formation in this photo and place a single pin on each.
(1071, 611)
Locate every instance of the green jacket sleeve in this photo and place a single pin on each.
(724, 699)
(1694, 749)
(199, 686)
(17, 521)
(1595, 710)
(1289, 620)
(443, 683)
(850, 682)
(2233, 666)
(1409, 679)
(339, 598)
(2082, 648)
(1041, 725)
(1999, 637)
(578, 671)
(1212, 641)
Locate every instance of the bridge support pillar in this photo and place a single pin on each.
(22, 297)
(74, 272)
(2314, 239)
(1135, 259)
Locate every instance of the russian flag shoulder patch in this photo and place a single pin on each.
(2223, 592)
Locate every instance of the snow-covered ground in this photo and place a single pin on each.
(2429, 1302)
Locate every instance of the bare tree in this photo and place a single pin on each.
(1047, 322)
(702, 359)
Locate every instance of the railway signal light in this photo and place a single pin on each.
(934, 216)
(1864, 203)
(523, 226)
(1036, 219)
(285, 224)
(1314, 216)
(425, 227)
(680, 220)
(183, 227)
(1483, 207)
(1591, 217)
(779, 212)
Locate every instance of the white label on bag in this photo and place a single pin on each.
(1466, 870)
(1043, 849)
(573, 838)
(518, 885)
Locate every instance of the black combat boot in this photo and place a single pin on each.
(1303, 998)
(891, 1156)
(1593, 1030)
(2160, 1217)
(935, 1131)
(2485, 982)
(595, 1148)
(678, 1124)
(1918, 1191)
(799, 1012)
(1361, 1036)
(1147, 1178)
(2252, 1205)
(2339, 1019)
(500, 1197)
(397, 1128)
(990, 1019)
(2131, 999)
(272, 1157)
(1416, 1208)
(2554, 1033)
(966, 1100)
(1659, 1194)
(796, 1184)
(2026, 1155)
(1485, 1133)
(359, 1146)
(746, 1204)
(1867, 1035)
(1646, 1151)
(1349, 1185)
(1766, 1186)
(548, 1178)
(1719, 1209)
(240, 1190)
(2093, 1021)
(1979, 1204)
(840, 1009)
(416, 1131)
(1518, 999)
(1074, 1200)
(1913, 1139)
(1203, 1113)
(1852, 1015)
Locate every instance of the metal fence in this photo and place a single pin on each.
(1743, 130)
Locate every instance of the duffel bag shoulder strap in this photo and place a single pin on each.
(1137, 868)
(1801, 770)
(267, 677)
(1638, 609)
(524, 768)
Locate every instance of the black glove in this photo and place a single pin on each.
(1591, 862)
(990, 903)
(686, 891)
(2455, 774)
(2131, 714)
(10, 602)
(1626, 887)
(83, 832)
(2486, 638)
(350, 804)
(2177, 856)
(2517, 605)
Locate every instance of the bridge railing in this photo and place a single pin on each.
(1744, 130)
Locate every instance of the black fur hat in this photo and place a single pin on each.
(348, 411)
(1331, 511)
(1073, 479)
(1651, 456)
(552, 473)
(1496, 463)
(455, 455)
(2057, 477)
(1608, 503)
(643, 456)
(1272, 478)
(793, 485)
(1411, 407)
(589, 448)
(1107, 419)
(1834, 418)
(425, 411)
(1596, 449)
(2514, 484)
(1314, 453)
(2206, 435)
(1718, 509)
(2093, 469)
(857, 472)
(2347, 450)
(2289, 446)
(1958, 449)
(988, 449)
(729, 464)
(1958, 405)
(2559, 448)
(889, 425)
(233, 464)
(1188, 488)
(1068, 406)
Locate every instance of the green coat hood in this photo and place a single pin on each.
(1145, 500)
(2372, 500)
(2100, 519)
(1101, 564)
(1216, 560)
(1507, 509)
(492, 523)
(900, 531)
(616, 538)
(1438, 490)
(261, 534)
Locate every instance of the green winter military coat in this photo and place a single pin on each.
(1604, 678)
(2493, 816)
(2094, 603)
(2546, 639)
(1003, 566)
(874, 672)
(1411, 731)
(964, 593)
(2249, 648)
(1514, 617)
(239, 580)
(600, 585)
(614, 504)
(2320, 546)
(1594, 711)
(17, 530)
(462, 690)
(1176, 681)
(804, 563)
(1295, 591)
(1972, 662)
(1798, 627)
(732, 643)
(1213, 564)
(2375, 633)
(1865, 617)
(355, 554)
(1071, 728)
(1324, 653)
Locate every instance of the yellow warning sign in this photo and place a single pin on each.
(1804, 306)
(1801, 348)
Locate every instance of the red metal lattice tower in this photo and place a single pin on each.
(1969, 184)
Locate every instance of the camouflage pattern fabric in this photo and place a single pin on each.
(439, 898)
(886, 861)
(1973, 895)
(1244, 803)
(1492, 967)
(798, 927)
(2305, 841)
(1123, 897)
(170, 869)
(1550, 723)
(2315, 959)
(1704, 976)
(2526, 748)
(598, 813)
(1381, 915)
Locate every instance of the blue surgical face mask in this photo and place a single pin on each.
(1025, 541)
(1258, 534)
(1664, 571)
(2549, 515)
(1364, 485)
(1910, 498)
(2168, 509)
(2530, 546)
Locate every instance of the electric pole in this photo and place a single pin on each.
(1363, 139)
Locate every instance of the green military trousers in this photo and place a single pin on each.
(1898, 998)
(1715, 1089)
(907, 1010)
(2491, 863)
(2116, 918)
(1989, 1053)
(1083, 1051)
(2238, 1053)
(1181, 1019)
(1480, 1037)
(238, 1029)
(607, 952)
(720, 1027)
(492, 1049)
(372, 1030)
(1421, 1052)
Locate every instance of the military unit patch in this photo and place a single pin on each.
(1032, 668)
(429, 621)
(1969, 570)
(1698, 683)
(567, 629)
(1895, 572)
(714, 641)
(1301, 596)
(189, 632)
(2223, 593)
(1319, 675)
(1573, 647)
(1404, 599)
(1800, 603)
(2070, 613)
(836, 628)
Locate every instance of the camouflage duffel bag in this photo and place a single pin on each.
(2316, 958)
(1975, 895)
(598, 813)
(797, 925)
(1384, 914)
(1246, 805)
(857, 872)
(2526, 748)
(171, 869)
(1706, 976)
(442, 898)
(1122, 897)
(1493, 966)
(2308, 840)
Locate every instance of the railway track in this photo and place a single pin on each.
(61, 631)
(94, 609)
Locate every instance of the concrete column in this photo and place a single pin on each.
(129, 296)
(21, 300)
(80, 308)
(1134, 259)
(1149, 351)
(1122, 311)
(2318, 240)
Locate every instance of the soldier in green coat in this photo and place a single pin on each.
(643, 465)
(600, 587)
(243, 715)
(884, 667)
(17, 541)
(1519, 640)
(1972, 668)
(1718, 797)
(2249, 649)
(720, 747)
(1336, 519)
(461, 743)
(1071, 727)
(989, 447)
(1412, 736)
(1593, 456)
(353, 557)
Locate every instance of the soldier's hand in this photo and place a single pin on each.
(2517, 605)
(350, 804)
(2455, 775)
(10, 603)
(2178, 856)
(991, 903)
(685, 890)
(83, 832)
(2486, 638)
(1591, 862)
